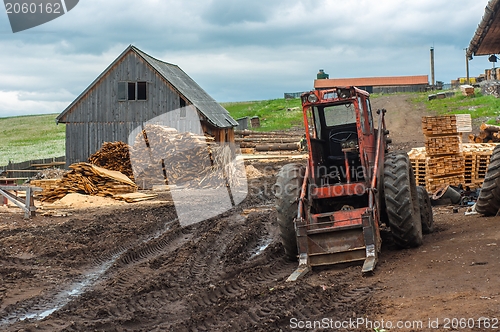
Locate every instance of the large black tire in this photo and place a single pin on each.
(401, 200)
(488, 201)
(426, 216)
(287, 192)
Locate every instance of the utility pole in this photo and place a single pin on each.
(467, 65)
(432, 69)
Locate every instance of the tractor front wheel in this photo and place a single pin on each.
(401, 200)
(287, 192)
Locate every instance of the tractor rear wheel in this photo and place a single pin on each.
(488, 202)
(287, 191)
(401, 200)
(426, 216)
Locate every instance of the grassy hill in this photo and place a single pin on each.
(33, 137)
(276, 114)
(30, 137)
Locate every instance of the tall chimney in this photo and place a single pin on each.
(432, 67)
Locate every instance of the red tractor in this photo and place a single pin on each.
(332, 210)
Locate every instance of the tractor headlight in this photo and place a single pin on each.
(312, 98)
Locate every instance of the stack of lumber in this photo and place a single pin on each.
(467, 90)
(487, 134)
(162, 155)
(45, 184)
(89, 179)
(446, 125)
(254, 141)
(476, 160)
(114, 156)
(445, 162)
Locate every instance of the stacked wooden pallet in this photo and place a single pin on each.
(114, 156)
(476, 161)
(445, 163)
(418, 160)
(89, 179)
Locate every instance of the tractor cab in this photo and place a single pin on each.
(340, 122)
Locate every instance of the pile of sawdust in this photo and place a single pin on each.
(75, 200)
(252, 172)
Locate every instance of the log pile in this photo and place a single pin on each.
(89, 179)
(114, 156)
(163, 156)
(487, 134)
(252, 141)
(476, 160)
(445, 162)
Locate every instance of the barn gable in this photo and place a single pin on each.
(134, 89)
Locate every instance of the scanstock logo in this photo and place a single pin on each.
(26, 14)
(205, 178)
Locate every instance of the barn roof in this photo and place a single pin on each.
(185, 85)
(486, 39)
(372, 81)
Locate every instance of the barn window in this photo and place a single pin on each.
(131, 91)
(122, 90)
(182, 102)
(141, 91)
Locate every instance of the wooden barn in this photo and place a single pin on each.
(134, 89)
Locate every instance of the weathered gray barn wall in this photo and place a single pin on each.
(99, 116)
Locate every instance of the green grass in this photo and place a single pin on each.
(275, 114)
(25, 138)
(486, 107)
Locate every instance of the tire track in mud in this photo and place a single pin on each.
(227, 273)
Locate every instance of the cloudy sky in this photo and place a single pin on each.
(236, 50)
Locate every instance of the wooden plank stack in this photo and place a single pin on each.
(89, 179)
(467, 90)
(445, 162)
(163, 156)
(114, 156)
(45, 184)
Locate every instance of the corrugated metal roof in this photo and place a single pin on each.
(185, 85)
(372, 81)
(486, 39)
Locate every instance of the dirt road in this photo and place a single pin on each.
(134, 268)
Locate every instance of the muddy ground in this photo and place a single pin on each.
(134, 268)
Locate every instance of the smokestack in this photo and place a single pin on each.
(432, 67)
